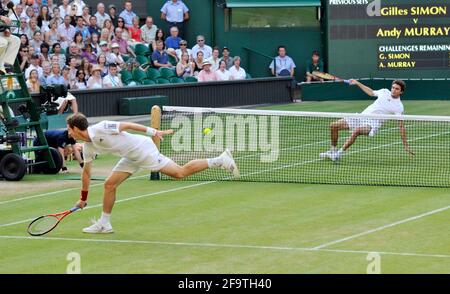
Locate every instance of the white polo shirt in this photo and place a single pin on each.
(385, 104)
(107, 139)
(237, 74)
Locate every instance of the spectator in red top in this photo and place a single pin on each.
(135, 31)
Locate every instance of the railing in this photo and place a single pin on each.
(250, 50)
(105, 102)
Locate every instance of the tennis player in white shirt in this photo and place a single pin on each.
(136, 152)
(387, 102)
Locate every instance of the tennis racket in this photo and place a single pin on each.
(46, 223)
(328, 77)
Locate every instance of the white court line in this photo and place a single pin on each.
(133, 178)
(413, 218)
(57, 192)
(123, 200)
(216, 245)
(210, 182)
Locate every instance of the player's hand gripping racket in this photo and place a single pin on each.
(329, 77)
(46, 223)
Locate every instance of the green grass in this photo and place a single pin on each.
(233, 227)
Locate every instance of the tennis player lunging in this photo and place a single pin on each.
(388, 102)
(136, 151)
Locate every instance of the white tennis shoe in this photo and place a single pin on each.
(335, 156)
(331, 154)
(326, 154)
(229, 164)
(98, 228)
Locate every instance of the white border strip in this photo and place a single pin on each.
(217, 245)
(305, 114)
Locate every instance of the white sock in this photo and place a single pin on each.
(334, 148)
(104, 219)
(215, 162)
(341, 151)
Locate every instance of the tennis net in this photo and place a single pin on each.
(285, 146)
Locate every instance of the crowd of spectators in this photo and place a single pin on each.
(81, 47)
(86, 42)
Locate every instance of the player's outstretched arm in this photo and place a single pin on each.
(404, 138)
(124, 126)
(365, 89)
(85, 182)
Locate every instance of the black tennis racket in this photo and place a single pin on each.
(46, 223)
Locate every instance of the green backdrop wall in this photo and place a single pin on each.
(207, 17)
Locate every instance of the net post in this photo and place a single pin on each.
(155, 122)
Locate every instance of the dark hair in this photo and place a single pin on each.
(54, 46)
(280, 47)
(401, 84)
(157, 32)
(23, 46)
(76, 35)
(71, 58)
(112, 65)
(45, 45)
(27, 43)
(119, 20)
(78, 120)
(315, 52)
(216, 48)
(78, 73)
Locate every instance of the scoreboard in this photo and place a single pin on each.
(388, 38)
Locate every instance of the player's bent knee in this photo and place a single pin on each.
(110, 185)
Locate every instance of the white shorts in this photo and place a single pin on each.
(150, 163)
(357, 122)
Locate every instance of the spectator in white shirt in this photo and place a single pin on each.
(183, 49)
(214, 59)
(95, 81)
(64, 8)
(112, 80)
(66, 32)
(80, 80)
(236, 71)
(282, 65)
(101, 14)
(34, 65)
(115, 57)
(148, 31)
(201, 46)
(18, 9)
(80, 5)
(222, 74)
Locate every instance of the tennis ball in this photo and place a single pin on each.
(206, 131)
